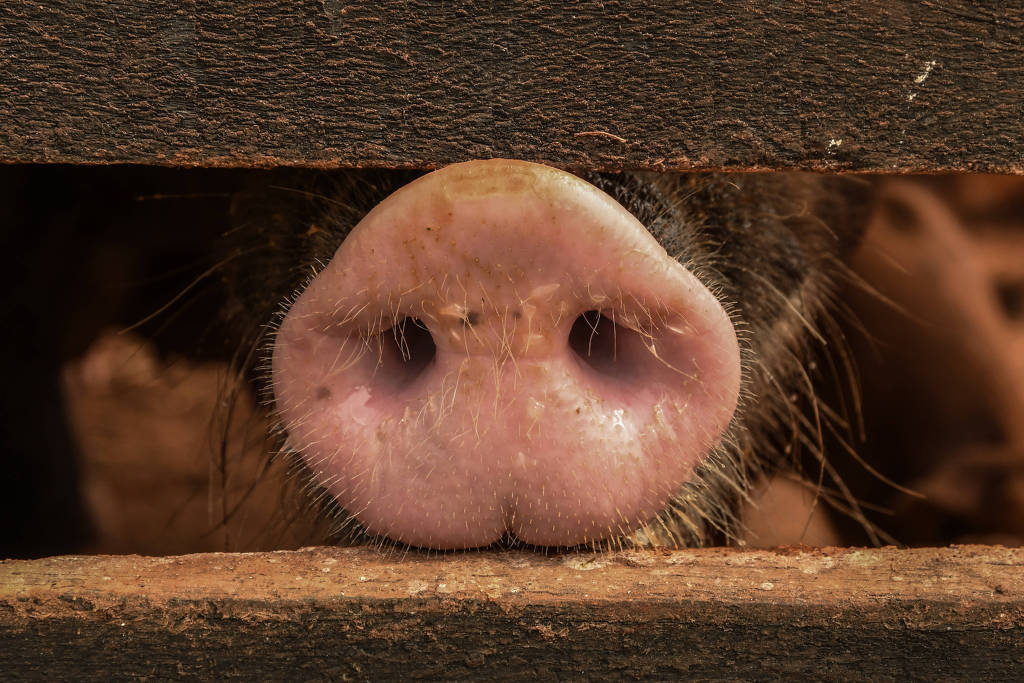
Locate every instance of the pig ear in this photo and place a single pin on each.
(846, 206)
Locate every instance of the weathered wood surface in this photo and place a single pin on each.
(880, 614)
(861, 85)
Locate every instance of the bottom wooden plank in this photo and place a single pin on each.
(358, 613)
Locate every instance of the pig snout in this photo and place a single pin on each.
(500, 350)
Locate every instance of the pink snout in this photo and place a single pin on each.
(499, 348)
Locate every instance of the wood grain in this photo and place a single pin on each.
(878, 614)
(866, 85)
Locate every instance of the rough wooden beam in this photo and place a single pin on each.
(862, 85)
(336, 613)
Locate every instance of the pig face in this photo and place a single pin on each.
(502, 351)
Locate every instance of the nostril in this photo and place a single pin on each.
(602, 344)
(404, 352)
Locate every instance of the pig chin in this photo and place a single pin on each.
(499, 349)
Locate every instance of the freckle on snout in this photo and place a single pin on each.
(322, 393)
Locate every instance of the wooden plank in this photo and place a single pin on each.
(878, 614)
(867, 85)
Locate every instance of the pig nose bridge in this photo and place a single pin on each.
(518, 329)
(513, 312)
(505, 324)
(487, 288)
